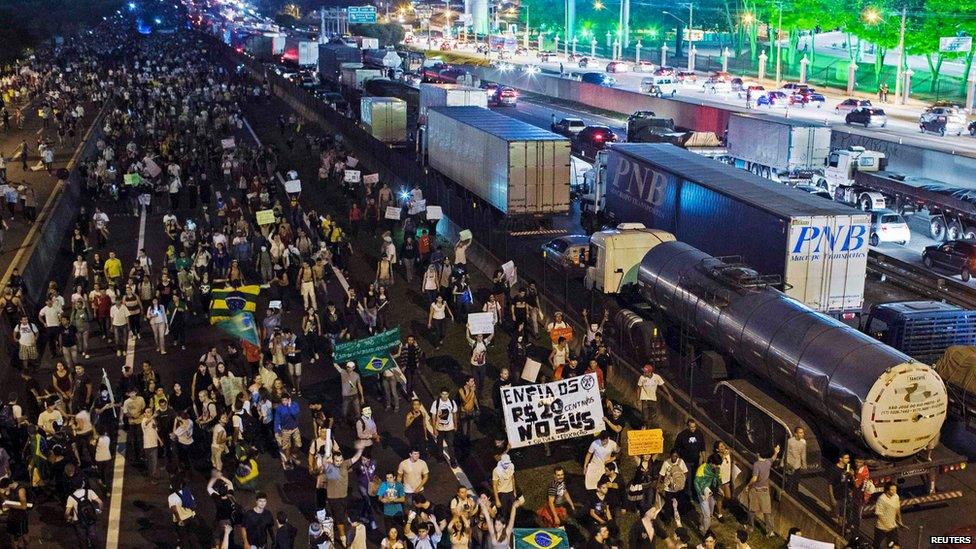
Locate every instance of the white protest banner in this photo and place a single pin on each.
(228, 143)
(352, 161)
(798, 542)
(392, 212)
(434, 212)
(481, 323)
(351, 176)
(417, 206)
(530, 372)
(511, 273)
(152, 168)
(371, 178)
(293, 186)
(545, 412)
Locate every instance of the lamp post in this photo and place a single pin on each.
(779, 50)
(688, 25)
(872, 16)
(637, 54)
(525, 37)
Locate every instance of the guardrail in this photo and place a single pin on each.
(921, 281)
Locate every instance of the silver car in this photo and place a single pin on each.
(567, 252)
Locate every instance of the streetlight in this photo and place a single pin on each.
(873, 16)
(691, 37)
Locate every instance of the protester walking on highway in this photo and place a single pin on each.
(888, 510)
(758, 491)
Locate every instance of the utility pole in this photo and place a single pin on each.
(691, 27)
(901, 50)
(779, 50)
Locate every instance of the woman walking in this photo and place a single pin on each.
(158, 323)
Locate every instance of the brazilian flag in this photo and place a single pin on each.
(540, 538)
(228, 301)
(371, 354)
(241, 326)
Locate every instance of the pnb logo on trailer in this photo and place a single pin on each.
(542, 539)
(640, 182)
(824, 239)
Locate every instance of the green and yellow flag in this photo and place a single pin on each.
(540, 538)
(228, 301)
(241, 325)
(371, 354)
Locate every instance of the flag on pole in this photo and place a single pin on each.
(241, 325)
(228, 301)
(371, 354)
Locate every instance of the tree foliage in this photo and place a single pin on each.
(26, 23)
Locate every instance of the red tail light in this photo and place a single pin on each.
(598, 137)
(942, 119)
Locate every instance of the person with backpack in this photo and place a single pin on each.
(81, 511)
(190, 530)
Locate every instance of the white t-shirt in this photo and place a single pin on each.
(648, 386)
(413, 474)
(51, 316)
(28, 334)
(174, 500)
(150, 434)
(103, 449)
(442, 413)
(71, 507)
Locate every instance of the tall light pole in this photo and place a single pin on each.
(687, 24)
(901, 50)
(779, 50)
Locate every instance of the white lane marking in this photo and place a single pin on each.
(118, 467)
(251, 131)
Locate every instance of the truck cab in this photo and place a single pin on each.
(842, 164)
(616, 254)
(922, 330)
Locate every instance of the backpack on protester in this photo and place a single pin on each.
(86, 511)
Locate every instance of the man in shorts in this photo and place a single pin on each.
(286, 432)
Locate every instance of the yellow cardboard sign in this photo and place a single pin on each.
(645, 442)
(265, 217)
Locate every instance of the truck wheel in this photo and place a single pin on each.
(875, 240)
(965, 275)
(937, 229)
(969, 233)
(927, 261)
(954, 231)
(942, 132)
(866, 204)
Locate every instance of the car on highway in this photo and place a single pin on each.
(806, 97)
(591, 140)
(814, 190)
(598, 78)
(506, 96)
(746, 87)
(658, 86)
(567, 252)
(687, 77)
(665, 71)
(955, 256)
(336, 101)
(793, 87)
(412, 79)
(869, 116)
(549, 57)
(717, 85)
(722, 75)
(568, 127)
(618, 66)
(772, 99)
(942, 120)
(850, 104)
(889, 226)
(971, 128)
(644, 66)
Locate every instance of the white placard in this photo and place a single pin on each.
(352, 161)
(293, 186)
(481, 323)
(152, 168)
(799, 542)
(352, 176)
(371, 178)
(417, 207)
(274, 305)
(434, 212)
(530, 372)
(546, 412)
(228, 143)
(392, 212)
(511, 273)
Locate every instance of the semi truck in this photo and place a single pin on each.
(385, 118)
(331, 57)
(354, 77)
(384, 59)
(817, 248)
(450, 95)
(390, 88)
(923, 330)
(645, 127)
(301, 51)
(778, 148)
(516, 168)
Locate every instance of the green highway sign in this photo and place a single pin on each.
(361, 14)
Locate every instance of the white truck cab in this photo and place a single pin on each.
(616, 255)
(842, 163)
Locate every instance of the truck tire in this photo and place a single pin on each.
(865, 204)
(874, 239)
(969, 233)
(965, 275)
(937, 229)
(954, 231)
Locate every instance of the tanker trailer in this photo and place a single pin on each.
(864, 389)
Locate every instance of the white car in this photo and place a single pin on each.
(889, 226)
(849, 105)
(717, 85)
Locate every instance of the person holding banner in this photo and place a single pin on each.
(601, 452)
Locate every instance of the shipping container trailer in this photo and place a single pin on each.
(355, 77)
(818, 248)
(331, 58)
(776, 147)
(517, 168)
(385, 118)
(450, 95)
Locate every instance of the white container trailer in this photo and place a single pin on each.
(450, 95)
(519, 169)
(385, 118)
(775, 147)
(308, 53)
(355, 77)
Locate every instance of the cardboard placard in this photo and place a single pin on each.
(352, 161)
(530, 372)
(132, 179)
(481, 323)
(511, 273)
(371, 178)
(548, 412)
(392, 212)
(351, 176)
(293, 186)
(465, 235)
(152, 168)
(417, 207)
(228, 143)
(645, 442)
(434, 212)
(265, 217)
